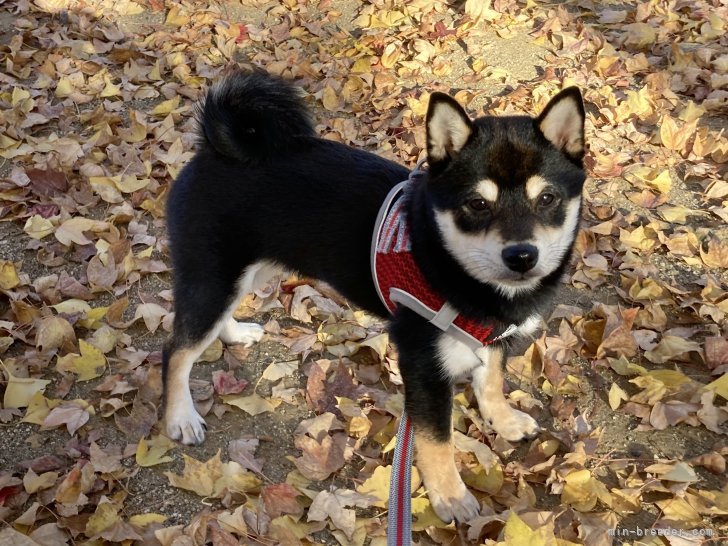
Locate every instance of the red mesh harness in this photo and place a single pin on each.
(399, 280)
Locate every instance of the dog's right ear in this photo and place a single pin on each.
(448, 128)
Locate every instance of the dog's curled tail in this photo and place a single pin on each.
(253, 116)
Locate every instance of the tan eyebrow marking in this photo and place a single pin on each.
(488, 190)
(534, 186)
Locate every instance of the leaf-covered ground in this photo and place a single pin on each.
(629, 381)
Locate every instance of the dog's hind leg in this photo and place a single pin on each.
(203, 310)
(200, 313)
(247, 333)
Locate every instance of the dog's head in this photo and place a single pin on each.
(506, 191)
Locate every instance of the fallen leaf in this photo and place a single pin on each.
(253, 404)
(280, 499)
(582, 491)
(19, 391)
(154, 452)
(73, 415)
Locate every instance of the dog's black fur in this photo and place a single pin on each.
(262, 186)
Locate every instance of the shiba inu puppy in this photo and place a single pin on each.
(463, 256)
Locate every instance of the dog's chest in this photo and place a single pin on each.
(456, 359)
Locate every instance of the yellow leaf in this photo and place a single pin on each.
(166, 107)
(720, 386)
(155, 72)
(482, 452)
(142, 520)
(653, 390)
(253, 404)
(478, 66)
(176, 17)
(676, 214)
(419, 106)
(378, 343)
(212, 478)
(92, 320)
(72, 230)
(330, 99)
(279, 370)
(481, 9)
(129, 184)
(106, 515)
(679, 510)
(582, 491)
(362, 66)
(658, 179)
(64, 88)
(638, 103)
(153, 452)
(627, 501)
(236, 479)
(32, 482)
(20, 391)
(640, 35)
(549, 447)
(90, 364)
(391, 55)
(233, 521)
(38, 227)
(197, 476)
(109, 90)
(616, 395)
(38, 408)
(517, 533)
(672, 348)
(8, 275)
(72, 306)
(674, 136)
(489, 481)
(693, 111)
(378, 484)
(638, 239)
(672, 379)
(647, 290)
(18, 96)
(106, 189)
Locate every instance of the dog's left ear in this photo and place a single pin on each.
(562, 122)
(448, 128)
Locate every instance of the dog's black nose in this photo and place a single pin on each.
(520, 258)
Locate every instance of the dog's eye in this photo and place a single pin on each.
(478, 204)
(546, 199)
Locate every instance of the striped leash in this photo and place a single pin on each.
(399, 532)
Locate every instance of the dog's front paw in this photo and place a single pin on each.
(514, 425)
(454, 502)
(186, 426)
(244, 333)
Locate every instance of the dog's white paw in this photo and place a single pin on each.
(514, 425)
(186, 425)
(454, 502)
(243, 333)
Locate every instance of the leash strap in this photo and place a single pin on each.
(399, 532)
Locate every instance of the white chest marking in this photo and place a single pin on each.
(457, 359)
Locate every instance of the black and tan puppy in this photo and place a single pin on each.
(480, 243)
